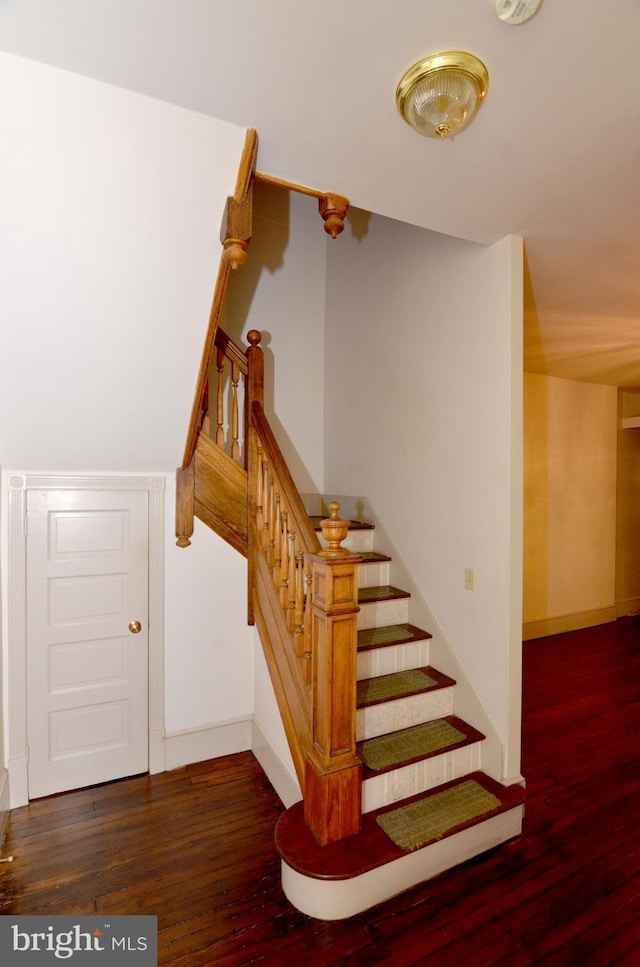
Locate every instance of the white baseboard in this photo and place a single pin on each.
(568, 622)
(156, 751)
(207, 742)
(18, 783)
(283, 781)
(4, 803)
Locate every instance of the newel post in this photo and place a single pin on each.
(254, 394)
(185, 503)
(333, 784)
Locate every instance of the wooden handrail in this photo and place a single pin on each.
(273, 454)
(332, 207)
(241, 193)
(318, 594)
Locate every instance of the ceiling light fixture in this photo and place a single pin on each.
(441, 94)
(515, 12)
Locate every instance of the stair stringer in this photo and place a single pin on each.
(221, 493)
(467, 705)
(289, 689)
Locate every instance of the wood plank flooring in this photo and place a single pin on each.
(195, 847)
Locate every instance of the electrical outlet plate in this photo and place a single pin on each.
(469, 579)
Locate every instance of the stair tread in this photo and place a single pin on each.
(384, 592)
(402, 684)
(399, 634)
(414, 744)
(373, 557)
(372, 847)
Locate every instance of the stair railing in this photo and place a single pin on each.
(304, 601)
(235, 233)
(301, 597)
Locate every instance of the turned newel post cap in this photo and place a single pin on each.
(334, 531)
(254, 336)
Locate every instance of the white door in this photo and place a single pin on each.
(87, 662)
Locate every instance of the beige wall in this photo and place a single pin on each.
(628, 510)
(570, 434)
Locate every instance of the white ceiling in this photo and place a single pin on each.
(552, 156)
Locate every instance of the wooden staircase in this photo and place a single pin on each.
(393, 791)
(417, 756)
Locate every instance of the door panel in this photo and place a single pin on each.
(87, 674)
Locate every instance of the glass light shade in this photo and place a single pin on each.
(440, 95)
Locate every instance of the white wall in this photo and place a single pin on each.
(111, 207)
(281, 291)
(570, 504)
(423, 416)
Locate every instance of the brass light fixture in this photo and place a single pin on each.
(441, 94)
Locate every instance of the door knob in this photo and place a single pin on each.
(135, 627)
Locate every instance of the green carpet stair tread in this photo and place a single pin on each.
(399, 634)
(388, 688)
(372, 847)
(396, 749)
(415, 824)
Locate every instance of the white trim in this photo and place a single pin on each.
(18, 485)
(156, 627)
(207, 742)
(4, 803)
(284, 783)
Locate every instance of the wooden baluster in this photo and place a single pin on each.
(292, 588)
(235, 429)
(284, 563)
(298, 618)
(333, 786)
(220, 400)
(253, 393)
(275, 500)
(268, 507)
(259, 487)
(205, 422)
(308, 624)
(276, 544)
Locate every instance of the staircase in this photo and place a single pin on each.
(391, 777)
(426, 804)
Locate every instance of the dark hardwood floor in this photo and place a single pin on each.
(195, 847)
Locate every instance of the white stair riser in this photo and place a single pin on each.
(355, 541)
(402, 713)
(373, 575)
(417, 777)
(338, 899)
(381, 613)
(393, 658)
